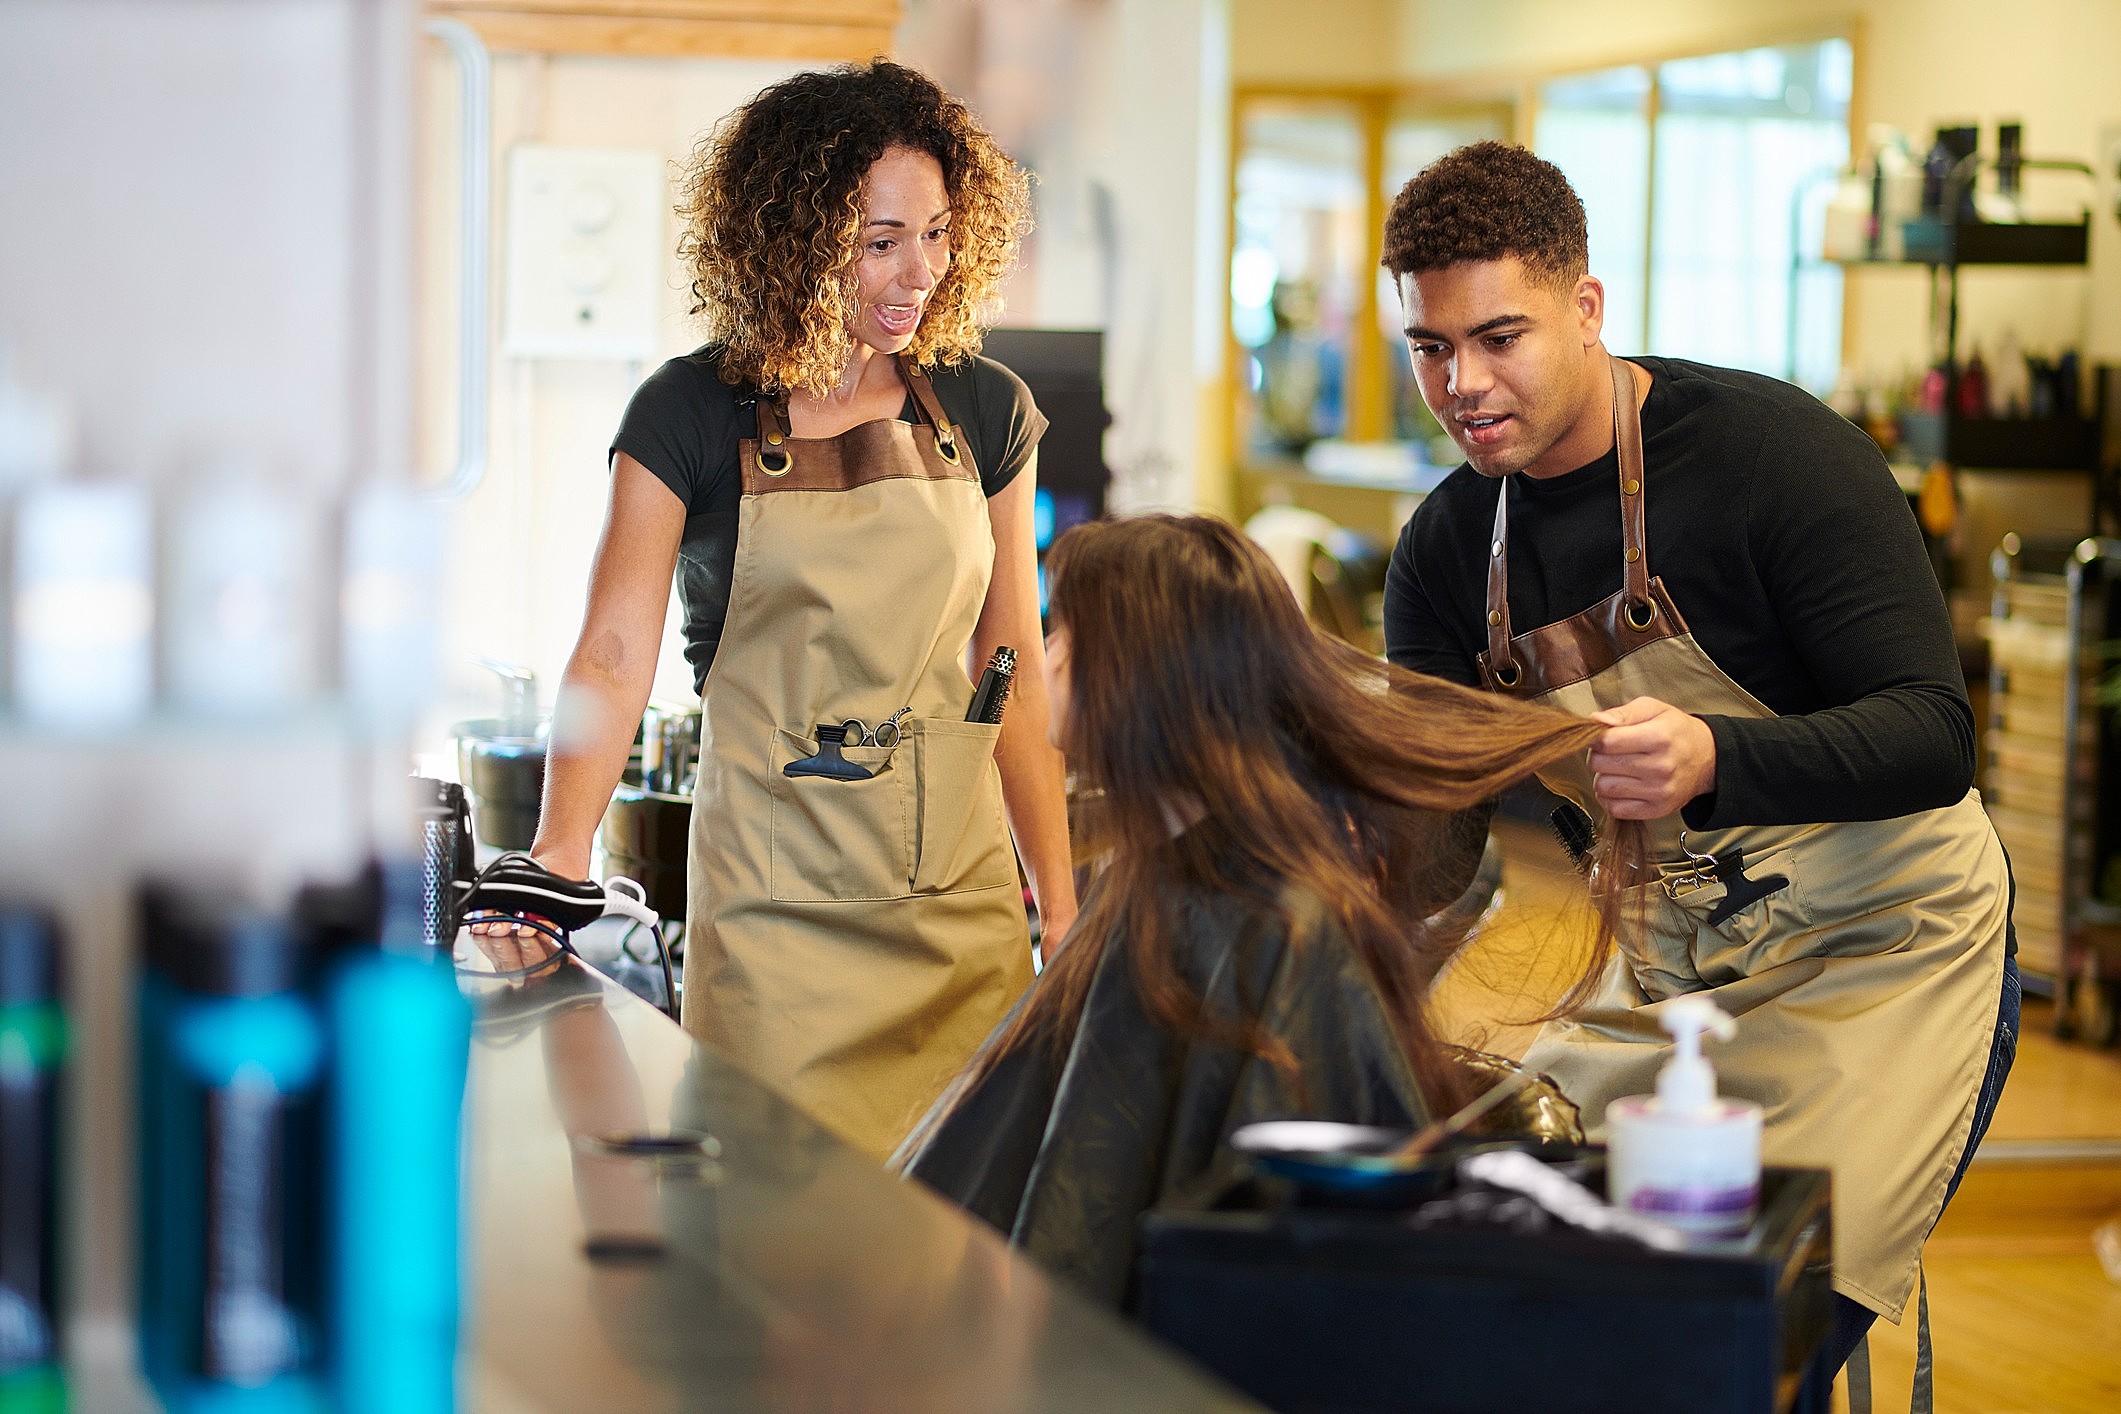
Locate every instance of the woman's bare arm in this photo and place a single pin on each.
(1033, 788)
(612, 669)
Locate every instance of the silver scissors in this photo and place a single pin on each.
(1698, 872)
(886, 735)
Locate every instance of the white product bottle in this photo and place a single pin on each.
(239, 614)
(1683, 1154)
(36, 446)
(388, 613)
(83, 605)
(1845, 233)
(1899, 189)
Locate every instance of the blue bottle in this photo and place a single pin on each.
(400, 1039)
(33, 1043)
(231, 1054)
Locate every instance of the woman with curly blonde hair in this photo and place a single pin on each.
(843, 490)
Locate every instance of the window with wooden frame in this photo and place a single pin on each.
(1316, 354)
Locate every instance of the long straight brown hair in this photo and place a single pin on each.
(1195, 681)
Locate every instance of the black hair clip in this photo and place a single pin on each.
(1738, 890)
(1727, 869)
(827, 761)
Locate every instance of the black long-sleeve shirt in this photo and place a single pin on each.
(1793, 557)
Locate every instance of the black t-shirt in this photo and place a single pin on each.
(1792, 555)
(684, 424)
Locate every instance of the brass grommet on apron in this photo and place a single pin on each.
(853, 940)
(1894, 928)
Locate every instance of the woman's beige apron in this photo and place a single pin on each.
(1865, 991)
(852, 941)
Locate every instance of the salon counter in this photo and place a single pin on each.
(789, 1274)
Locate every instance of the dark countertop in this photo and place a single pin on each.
(792, 1274)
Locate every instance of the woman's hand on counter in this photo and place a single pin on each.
(512, 945)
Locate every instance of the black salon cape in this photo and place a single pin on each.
(1064, 1150)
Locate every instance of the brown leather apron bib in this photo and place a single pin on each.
(1865, 991)
(853, 940)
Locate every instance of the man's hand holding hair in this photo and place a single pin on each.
(1654, 760)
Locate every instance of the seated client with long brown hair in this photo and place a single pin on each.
(1282, 816)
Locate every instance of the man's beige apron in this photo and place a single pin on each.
(852, 941)
(1865, 992)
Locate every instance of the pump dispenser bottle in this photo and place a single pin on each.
(1684, 1155)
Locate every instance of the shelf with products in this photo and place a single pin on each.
(1957, 424)
(1955, 238)
(1935, 241)
(2001, 443)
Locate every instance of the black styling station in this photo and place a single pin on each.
(1456, 1296)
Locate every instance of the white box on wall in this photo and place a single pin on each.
(585, 252)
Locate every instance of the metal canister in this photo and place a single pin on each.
(670, 749)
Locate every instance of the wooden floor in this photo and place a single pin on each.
(2024, 1316)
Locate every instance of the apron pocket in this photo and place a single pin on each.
(840, 840)
(962, 838)
(1766, 933)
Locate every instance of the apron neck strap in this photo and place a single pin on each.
(773, 409)
(1635, 556)
(1500, 662)
(930, 405)
(1634, 547)
(773, 419)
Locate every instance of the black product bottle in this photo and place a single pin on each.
(32, 1053)
(231, 1055)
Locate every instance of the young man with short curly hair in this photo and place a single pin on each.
(1724, 572)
